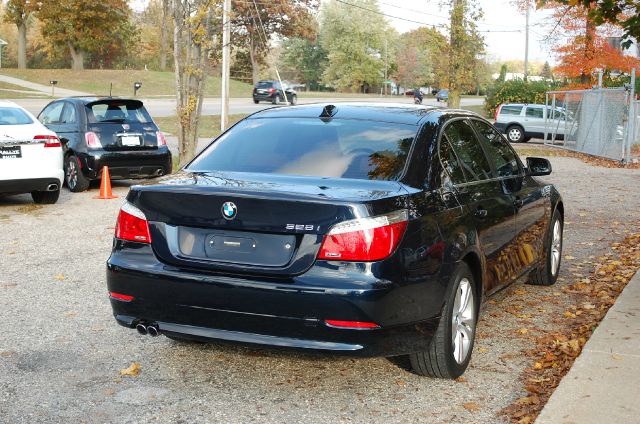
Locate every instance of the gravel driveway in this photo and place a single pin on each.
(61, 351)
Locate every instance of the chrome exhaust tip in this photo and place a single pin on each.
(52, 187)
(153, 330)
(142, 329)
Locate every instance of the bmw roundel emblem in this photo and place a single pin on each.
(229, 210)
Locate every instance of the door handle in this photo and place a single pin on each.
(480, 212)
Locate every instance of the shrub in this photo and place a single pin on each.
(515, 91)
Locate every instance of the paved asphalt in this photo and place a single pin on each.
(158, 107)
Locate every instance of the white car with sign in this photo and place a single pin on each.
(30, 156)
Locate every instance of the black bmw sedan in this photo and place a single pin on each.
(371, 230)
(111, 131)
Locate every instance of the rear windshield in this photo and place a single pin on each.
(338, 149)
(117, 112)
(14, 116)
(264, 84)
(510, 110)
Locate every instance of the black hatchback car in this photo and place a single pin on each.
(356, 229)
(271, 91)
(115, 132)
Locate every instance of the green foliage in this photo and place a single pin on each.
(546, 71)
(354, 40)
(515, 91)
(503, 73)
(422, 58)
(303, 60)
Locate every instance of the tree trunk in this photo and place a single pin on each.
(77, 58)
(163, 35)
(253, 55)
(22, 45)
(590, 32)
(456, 55)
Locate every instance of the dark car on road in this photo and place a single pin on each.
(368, 230)
(271, 91)
(442, 95)
(115, 132)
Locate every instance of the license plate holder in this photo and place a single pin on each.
(130, 140)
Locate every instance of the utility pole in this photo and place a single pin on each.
(526, 45)
(226, 47)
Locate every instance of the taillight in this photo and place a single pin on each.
(495, 118)
(364, 239)
(120, 296)
(272, 90)
(132, 225)
(162, 141)
(49, 140)
(92, 140)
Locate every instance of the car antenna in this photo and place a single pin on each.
(328, 111)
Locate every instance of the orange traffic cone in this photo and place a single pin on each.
(105, 185)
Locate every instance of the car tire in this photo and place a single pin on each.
(276, 99)
(449, 354)
(547, 273)
(45, 197)
(256, 101)
(294, 100)
(515, 133)
(73, 176)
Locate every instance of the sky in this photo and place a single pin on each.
(499, 15)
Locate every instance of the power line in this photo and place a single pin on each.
(411, 20)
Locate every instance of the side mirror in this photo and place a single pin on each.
(538, 166)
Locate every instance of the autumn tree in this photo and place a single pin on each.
(354, 37)
(192, 43)
(101, 28)
(303, 60)
(254, 23)
(18, 12)
(422, 58)
(466, 46)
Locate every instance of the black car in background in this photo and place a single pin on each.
(357, 229)
(271, 91)
(115, 132)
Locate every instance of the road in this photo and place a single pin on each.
(159, 107)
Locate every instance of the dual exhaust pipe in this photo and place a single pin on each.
(150, 329)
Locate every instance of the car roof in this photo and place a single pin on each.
(401, 113)
(9, 103)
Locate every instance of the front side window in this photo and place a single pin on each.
(311, 147)
(468, 150)
(14, 116)
(52, 113)
(498, 151)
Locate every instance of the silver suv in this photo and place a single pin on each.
(521, 122)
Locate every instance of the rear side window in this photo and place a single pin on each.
(467, 148)
(510, 110)
(450, 163)
(498, 151)
(297, 146)
(69, 114)
(131, 112)
(14, 116)
(534, 112)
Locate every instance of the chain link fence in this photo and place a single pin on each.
(598, 122)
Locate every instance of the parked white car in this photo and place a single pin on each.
(30, 156)
(521, 122)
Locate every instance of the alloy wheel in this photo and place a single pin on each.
(72, 173)
(463, 321)
(556, 247)
(515, 134)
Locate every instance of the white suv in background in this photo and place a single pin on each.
(521, 122)
(30, 156)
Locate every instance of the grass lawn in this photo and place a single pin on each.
(97, 81)
(479, 109)
(209, 124)
(7, 91)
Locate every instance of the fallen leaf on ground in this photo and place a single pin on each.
(133, 370)
(59, 277)
(471, 406)
(523, 331)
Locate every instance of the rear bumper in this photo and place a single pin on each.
(29, 185)
(127, 164)
(263, 97)
(279, 313)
